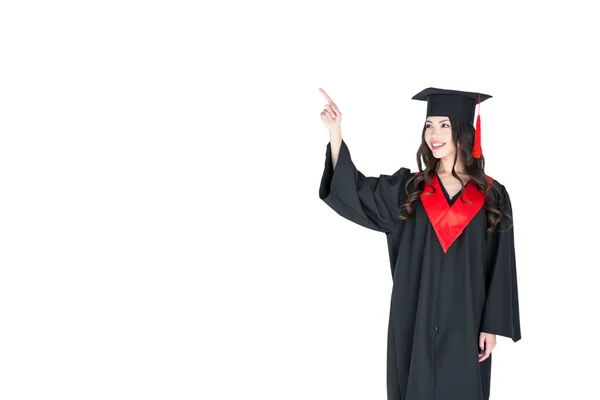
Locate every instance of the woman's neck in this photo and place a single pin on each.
(445, 166)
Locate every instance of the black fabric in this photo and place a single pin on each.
(448, 199)
(440, 302)
(451, 103)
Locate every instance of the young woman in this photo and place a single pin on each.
(450, 236)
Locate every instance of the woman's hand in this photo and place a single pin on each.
(331, 115)
(487, 342)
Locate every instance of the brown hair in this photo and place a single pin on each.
(463, 134)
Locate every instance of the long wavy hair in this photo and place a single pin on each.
(463, 134)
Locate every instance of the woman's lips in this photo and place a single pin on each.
(436, 147)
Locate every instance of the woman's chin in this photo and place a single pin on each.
(442, 154)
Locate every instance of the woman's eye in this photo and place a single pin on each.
(443, 125)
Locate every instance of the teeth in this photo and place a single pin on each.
(439, 145)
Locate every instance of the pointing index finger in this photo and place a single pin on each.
(326, 96)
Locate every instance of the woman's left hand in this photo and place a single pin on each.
(487, 342)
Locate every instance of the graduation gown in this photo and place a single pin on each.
(450, 281)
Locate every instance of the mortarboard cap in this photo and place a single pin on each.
(457, 104)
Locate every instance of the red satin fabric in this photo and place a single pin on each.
(449, 221)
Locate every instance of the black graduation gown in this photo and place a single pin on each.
(440, 301)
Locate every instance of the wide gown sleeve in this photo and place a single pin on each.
(372, 202)
(501, 309)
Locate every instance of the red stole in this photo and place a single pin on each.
(449, 221)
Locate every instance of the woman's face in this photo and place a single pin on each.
(438, 136)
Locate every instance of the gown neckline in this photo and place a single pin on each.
(446, 195)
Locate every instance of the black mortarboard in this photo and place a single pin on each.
(457, 104)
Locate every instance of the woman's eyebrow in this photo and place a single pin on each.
(438, 121)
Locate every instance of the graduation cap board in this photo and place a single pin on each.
(456, 104)
(449, 221)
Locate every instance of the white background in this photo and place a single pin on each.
(161, 235)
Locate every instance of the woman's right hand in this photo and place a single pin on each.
(331, 115)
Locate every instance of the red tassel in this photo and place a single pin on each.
(477, 142)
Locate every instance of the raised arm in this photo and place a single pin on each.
(332, 119)
(372, 202)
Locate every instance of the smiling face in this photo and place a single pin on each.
(438, 136)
